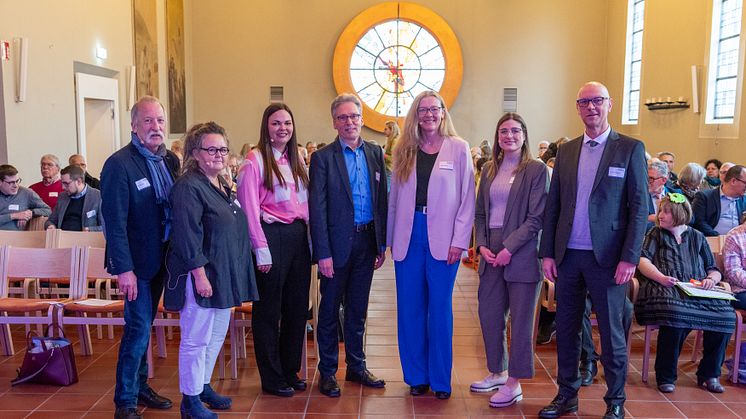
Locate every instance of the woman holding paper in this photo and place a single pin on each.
(674, 252)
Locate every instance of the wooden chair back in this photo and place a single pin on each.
(36, 239)
(93, 264)
(62, 239)
(23, 262)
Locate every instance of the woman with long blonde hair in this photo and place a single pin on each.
(392, 132)
(430, 217)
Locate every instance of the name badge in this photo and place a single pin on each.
(616, 172)
(14, 207)
(446, 165)
(238, 204)
(378, 176)
(54, 194)
(512, 179)
(142, 184)
(90, 214)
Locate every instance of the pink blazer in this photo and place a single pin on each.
(450, 201)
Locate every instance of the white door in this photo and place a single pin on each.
(97, 100)
(99, 133)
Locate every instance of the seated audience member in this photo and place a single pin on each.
(734, 261)
(310, 149)
(245, 149)
(724, 170)
(234, 163)
(49, 188)
(674, 252)
(177, 147)
(552, 149)
(79, 206)
(689, 181)
(670, 159)
(79, 160)
(717, 211)
(321, 145)
(657, 180)
(712, 167)
(303, 155)
(18, 204)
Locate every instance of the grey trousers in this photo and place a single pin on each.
(498, 299)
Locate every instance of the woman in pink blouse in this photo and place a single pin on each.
(272, 189)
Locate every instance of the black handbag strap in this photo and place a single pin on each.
(20, 380)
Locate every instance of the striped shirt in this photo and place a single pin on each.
(284, 204)
(734, 258)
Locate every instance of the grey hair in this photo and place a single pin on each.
(692, 174)
(659, 166)
(143, 100)
(344, 98)
(52, 157)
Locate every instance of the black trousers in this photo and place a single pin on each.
(670, 342)
(579, 275)
(279, 317)
(352, 283)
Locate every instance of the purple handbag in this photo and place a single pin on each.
(48, 360)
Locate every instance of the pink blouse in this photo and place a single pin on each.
(283, 205)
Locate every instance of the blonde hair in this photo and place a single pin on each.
(393, 137)
(405, 153)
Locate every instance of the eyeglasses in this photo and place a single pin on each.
(597, 101)
(515, 131)
(12, 182)
(48, 165)
(66, 183)
(740, 180)
(653, 179)
(353, 117)
(214, 150)
(434, 110)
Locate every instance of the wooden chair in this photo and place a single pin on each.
(76, 311)
(32, 263)
(738, 337)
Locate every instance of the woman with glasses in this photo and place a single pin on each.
(672, 253)
(272, 187)
(508, 217)
(209, 271)
(430, 218)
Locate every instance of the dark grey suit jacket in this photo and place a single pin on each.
(92, 217)
(524, 212)
(331, 212)
(618, 206)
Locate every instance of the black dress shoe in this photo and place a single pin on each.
(442, 395)
(588, 371)
(328, 387)
(298, 384)
(558, 407)
(614, 411)
(711, 384)
(365, 378)
(126, 413)
(419, 390)
(546, 331)
(149, 398)
(283, 390)
(666, 388)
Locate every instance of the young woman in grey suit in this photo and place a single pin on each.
(508, 217)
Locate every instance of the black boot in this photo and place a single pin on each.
(192, 408)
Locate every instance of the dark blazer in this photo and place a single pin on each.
(92, 217)
(706, 209)
(132, 218)
(618, 206)
(331, 212)
(524, 212)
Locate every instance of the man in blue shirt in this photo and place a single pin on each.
(347, 209)
(717, 211)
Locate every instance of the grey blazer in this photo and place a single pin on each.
(617, 207)
(92, 217)
(523, 219)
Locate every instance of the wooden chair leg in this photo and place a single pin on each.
(160, 336)
(304, 359)
(697, 345)
(646, 352)
(737, 346)
(221, 363)
(7, 340)
(234, 345)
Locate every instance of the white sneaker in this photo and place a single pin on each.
(506, 396)
(489, 383)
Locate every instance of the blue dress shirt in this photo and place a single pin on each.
(357, 171)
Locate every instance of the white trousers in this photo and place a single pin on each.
(203, 332)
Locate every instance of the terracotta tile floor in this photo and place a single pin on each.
(92, 396)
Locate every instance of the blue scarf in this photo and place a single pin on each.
(713, 181)
(162, 181)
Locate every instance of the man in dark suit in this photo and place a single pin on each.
(135, 186)
(347, 208)
(79, 160)
(717, 211)
(594, 222)
(79, 206)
